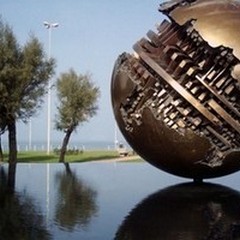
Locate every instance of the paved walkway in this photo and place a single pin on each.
(120, 159)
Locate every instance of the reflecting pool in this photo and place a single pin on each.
(116, 200)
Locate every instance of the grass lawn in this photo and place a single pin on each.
(42, 157)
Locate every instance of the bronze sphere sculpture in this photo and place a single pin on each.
(176, 99)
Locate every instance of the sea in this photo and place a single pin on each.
(80, 145)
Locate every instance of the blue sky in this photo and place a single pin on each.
(90, 36)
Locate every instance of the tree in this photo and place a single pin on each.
(24, 75)
(78, 97)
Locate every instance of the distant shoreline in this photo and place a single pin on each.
(80, 145)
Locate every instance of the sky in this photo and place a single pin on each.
(90, 37)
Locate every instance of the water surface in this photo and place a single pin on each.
(116, 200)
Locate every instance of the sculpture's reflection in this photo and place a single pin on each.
(20, 217)
(184, 212)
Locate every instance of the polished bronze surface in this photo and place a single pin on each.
(184, 212)
(176, 99)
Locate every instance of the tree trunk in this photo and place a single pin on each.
(1, 151)
(64, 145)
(12, 141)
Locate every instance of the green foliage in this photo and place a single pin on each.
(78, 100)
(35, 73)
(9, 55)
(24, 74)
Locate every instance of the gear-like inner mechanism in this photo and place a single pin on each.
(186, 84)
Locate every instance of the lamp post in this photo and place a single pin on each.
(30, 135)
(49, 27)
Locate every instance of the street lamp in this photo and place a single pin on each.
(49, 27)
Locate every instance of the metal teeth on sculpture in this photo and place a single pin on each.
(186, 83)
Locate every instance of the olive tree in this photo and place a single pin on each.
(77, 97)
(24, 75)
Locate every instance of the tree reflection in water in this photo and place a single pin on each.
(76, 201)
(185, 212)
(19, 216)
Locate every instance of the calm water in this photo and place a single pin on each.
(122, 201)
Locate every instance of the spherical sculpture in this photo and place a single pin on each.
(177, 98)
